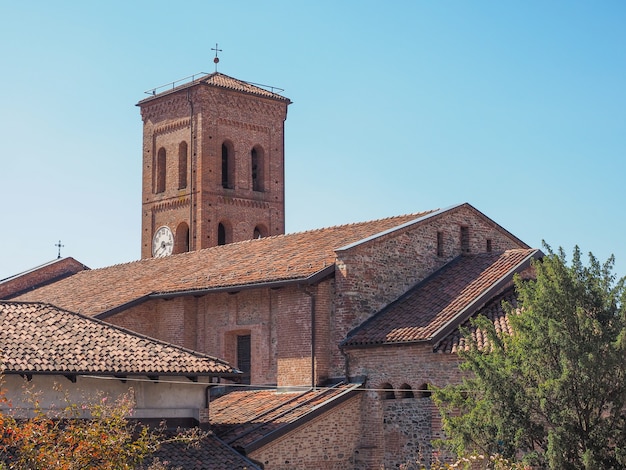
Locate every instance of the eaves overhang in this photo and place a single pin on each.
(314, 278)
(124, 374)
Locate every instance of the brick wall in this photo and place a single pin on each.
(335, 435)
(278, 321)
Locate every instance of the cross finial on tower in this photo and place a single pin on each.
(59, 246)
(216, 59)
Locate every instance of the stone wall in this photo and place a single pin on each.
(326, 442)
(398, 430)
(372, 274)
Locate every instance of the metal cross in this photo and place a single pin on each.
(216, 59)
(59, 246)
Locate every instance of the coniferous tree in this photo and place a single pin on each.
(554, 390)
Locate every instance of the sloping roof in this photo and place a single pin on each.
(37, 338)
(248, 419)
(284, 258)
(494, 312)
(219, 80)
(210, 453)
(38, 276)
(436, 306)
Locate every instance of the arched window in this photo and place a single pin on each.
(256, 158)
(386, 392)
(181, 239)
(224, 235)
(160, 171)
(259, 232)
(405, 391)
(424, 392)
(227, 166)
(182, 165)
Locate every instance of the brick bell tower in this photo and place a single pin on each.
(213, 164)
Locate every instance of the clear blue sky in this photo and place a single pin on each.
(518, 108)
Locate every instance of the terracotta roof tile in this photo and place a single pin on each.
(494, 312)
(274, 259)
(243, 418)
(220, 80)
(208, 454)
(39, 338)
(436, 302)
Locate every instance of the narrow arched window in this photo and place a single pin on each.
(386, 392)
(221, 234)
(182, 165)
(405, 391)
(160, 171)
(256, 159)
(259, 232)
(181, 239)
(228, 171)
(465, 240)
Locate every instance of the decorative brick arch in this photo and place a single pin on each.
(406, 391)
(387, 392)
(424, 391)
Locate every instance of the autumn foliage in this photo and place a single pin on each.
(95, 435)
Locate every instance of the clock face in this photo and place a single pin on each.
(162, 242)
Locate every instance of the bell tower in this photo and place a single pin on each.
(213, 164)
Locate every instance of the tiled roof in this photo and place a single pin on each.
(220, 80)
(244, 419)
(283, 258)
(208, 454)
(40, 338)
(440, 303)
(494, 312)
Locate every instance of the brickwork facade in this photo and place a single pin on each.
(212, 155)
(335, 435)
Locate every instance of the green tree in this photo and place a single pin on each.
(554, 390)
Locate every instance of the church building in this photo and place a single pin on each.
(338, 332)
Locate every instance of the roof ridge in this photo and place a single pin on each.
(283, 235)
(363, 222)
